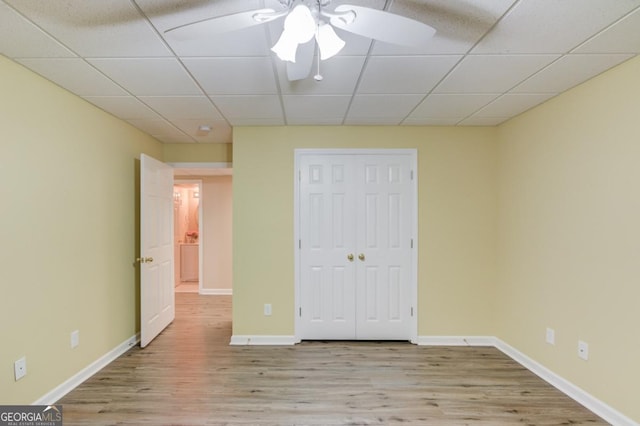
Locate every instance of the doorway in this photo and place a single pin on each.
(356, 221)
(187, 210)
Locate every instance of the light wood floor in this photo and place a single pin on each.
(191, 376)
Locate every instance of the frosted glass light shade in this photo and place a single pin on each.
(286, 47)
(299, 27)
(328, 42)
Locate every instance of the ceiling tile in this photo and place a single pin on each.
(394, 107)
(621, 37)
(247, 42)
(551, 26)
(458, 24)
(258, 106)
(315, 108)
(404, 74)
(149, 76)
(19, 38)
(75, 75)
(492, 73)
(233, 76)
(84, 26)
(248, 121)
(125, 107)
(220, 133)
(451, 106)
(321, 120)
(431, 121)
(154, 126)
(483, 121)
(178, 107)
(510, 105)
(340, 77)
(372, 121)
(567, 72)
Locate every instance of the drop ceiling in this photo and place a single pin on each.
(490, 60)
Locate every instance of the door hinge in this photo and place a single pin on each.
(299, 175)
(412, 243)
(411, 174)
(412, 311)
(300, 244)
(300, 312)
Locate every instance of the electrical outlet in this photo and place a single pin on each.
(551, 336)
(583, 350)
(267, 309)
(20, 368)
(75, 338)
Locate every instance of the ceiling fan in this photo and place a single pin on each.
(306, 20)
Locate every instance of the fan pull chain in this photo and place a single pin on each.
(318, 77)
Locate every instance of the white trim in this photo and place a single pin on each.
(216, 291)
(456, 341)
(587, 400)
(262, 340)
(219, 165)
(70, 384)
(413, 154)
(603, 410)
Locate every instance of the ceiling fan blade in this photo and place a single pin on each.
(300, 69)
(383, 26)
(223, 24)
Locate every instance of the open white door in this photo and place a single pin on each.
(157, 299)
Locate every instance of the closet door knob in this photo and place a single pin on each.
(361, 256)
(350, 257)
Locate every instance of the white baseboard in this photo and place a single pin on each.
(262, 340)
(66, 387)
(603, 410)
(216, 291)
(456, 341)
(593, 404)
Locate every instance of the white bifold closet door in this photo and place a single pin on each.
(355, 246)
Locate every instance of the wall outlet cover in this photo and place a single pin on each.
(551, 336)
(20, 368)
(583, 350)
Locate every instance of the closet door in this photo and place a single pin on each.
(383, 221)
(355, 247)
(327, 239)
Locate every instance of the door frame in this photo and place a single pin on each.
(413, 284)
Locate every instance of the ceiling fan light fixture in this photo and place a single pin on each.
(299, 28)
(328, 41)
(286, 47)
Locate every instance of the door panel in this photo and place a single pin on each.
(327, 291)
(157, 307)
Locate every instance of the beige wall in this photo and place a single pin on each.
(68, 230)
(457, 210)
(197, 153)
(216, 237)
(569, 240)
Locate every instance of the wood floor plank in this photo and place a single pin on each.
(190, 375)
